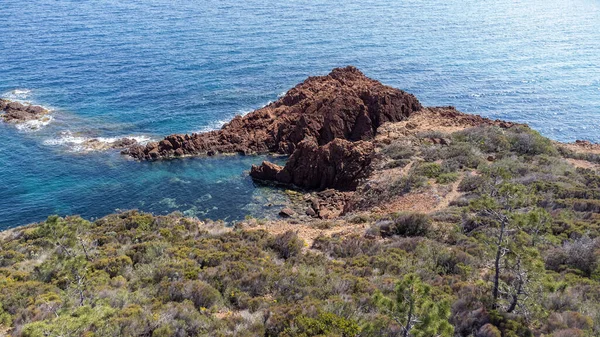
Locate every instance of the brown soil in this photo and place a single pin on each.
(582, 146)
(583, 164)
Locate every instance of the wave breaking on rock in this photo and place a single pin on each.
(84, 144)
(24, 115)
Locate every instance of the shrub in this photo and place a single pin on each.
(463, 155)
(141, 221)
(398, 151)
(406, 224)
(407, 183)
(202, 294)
(526, 141)
(324, 324)
(350, 246)
(287, 244)
(396, 163)
(579, 254)
(429, 170)
(431, 134)
(471, 183)
(113, 265)
(489, 330)
(569, 333)
(487, 139)
(559, 322)
(446, 178)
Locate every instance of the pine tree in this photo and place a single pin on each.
(416, 311)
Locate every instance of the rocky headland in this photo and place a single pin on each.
(327, 124)
(344, 104)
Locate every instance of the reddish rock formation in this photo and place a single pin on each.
(328, 204)
(344, 104)
(15, 112)
(340, 164)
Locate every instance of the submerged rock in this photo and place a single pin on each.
(344, 104)
(95, 144)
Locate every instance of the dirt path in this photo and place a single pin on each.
(452, 195)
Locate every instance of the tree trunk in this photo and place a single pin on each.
(515, 297)
(410, 314)
(496, 289)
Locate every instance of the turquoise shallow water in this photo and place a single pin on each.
(148, 68)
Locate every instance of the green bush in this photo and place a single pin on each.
(406, 184)
(405, 224)
(398, 151)
(202, 294)
(429, 170)
(526, 141)
(470, 183)
(447, 178)
(324, 324)
(485, 138)
(287, 244)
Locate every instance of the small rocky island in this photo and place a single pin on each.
(18, 113)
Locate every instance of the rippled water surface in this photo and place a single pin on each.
(147, 68)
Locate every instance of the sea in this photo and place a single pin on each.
(149, 68)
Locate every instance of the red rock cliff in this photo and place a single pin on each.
(344, 104)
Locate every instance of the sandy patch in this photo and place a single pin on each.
(581, 147)
(583, 164)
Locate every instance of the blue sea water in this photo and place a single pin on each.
(148, 68)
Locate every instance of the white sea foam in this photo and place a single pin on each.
(22, 96)
(143, 140)
(215, 125)
(65, 138)
(17, 94)
(77, 143)
(34, 125)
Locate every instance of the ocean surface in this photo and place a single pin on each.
(148, 68)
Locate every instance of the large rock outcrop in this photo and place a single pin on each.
(344, 104)
(339, 164)
(324, 123)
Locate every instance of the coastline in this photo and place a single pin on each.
(427, 199)
(445, 120)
